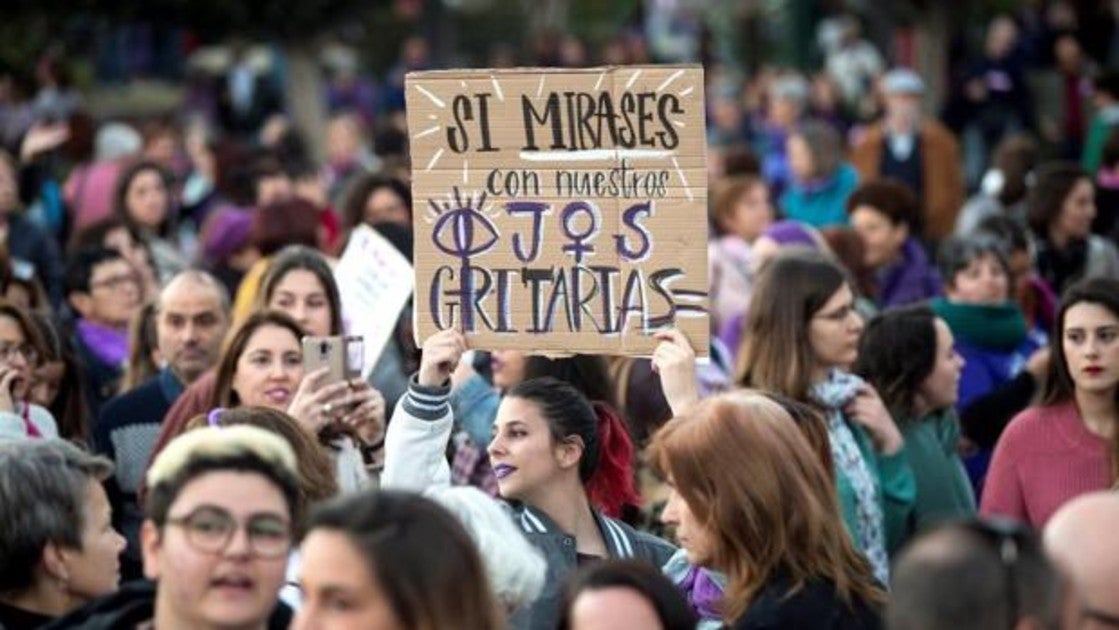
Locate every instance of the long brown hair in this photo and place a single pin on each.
(224, 396)
(316, 470)
(776, 353)
(751, 479)
(143, 341)
(427, 565)
(301, 257)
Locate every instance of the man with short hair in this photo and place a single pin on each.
(103, 289)
(919, 151)
(1082, 542)
(974, 575)
(192, 316)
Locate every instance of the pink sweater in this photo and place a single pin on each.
(1045, 457)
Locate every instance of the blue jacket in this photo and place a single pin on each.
(986, 369)
(821, 205)
(909, 280)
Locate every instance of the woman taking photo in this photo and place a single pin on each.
(751, 500)
(908, 356)
(1067, 445)
(262, 366)
(545, 453)
(801, 339)
(59, 549)
(298, 282)
(389, 560)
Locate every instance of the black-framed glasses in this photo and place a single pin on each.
(1008, 539)
(839, 315)
(9, 350)
(210, 529)
(113, 283)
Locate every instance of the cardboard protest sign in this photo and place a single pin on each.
(375, 282)
(560, 211)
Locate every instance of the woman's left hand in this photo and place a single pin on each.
(867, 409)
(367, 415)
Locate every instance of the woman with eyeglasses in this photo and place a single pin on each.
(316, 470)
(1067, 445)
(20, 349)
(220, 516)
(801, 341)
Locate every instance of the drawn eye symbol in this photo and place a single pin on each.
(464, 232)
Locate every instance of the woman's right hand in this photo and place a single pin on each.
(441, 354)
(674, 361)
(7, 378)
(1038, 364)
(312, 405)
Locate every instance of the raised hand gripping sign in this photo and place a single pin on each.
(560, 211)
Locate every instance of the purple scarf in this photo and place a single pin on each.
(704, 595)
(109, 345)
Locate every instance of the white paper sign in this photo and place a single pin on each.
(375, 281)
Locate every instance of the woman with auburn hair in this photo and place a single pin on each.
(802, 337)
(750, 499)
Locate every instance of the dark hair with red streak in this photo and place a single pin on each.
(606, 467)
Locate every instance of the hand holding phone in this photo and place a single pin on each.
(342, 356)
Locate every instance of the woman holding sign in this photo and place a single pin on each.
(545, 452)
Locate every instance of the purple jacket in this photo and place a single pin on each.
(909, 280)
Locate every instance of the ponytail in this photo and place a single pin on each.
(606, 468)
(613, 485)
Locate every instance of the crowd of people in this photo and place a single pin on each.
(908, 420)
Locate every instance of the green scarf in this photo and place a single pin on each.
(999, 327)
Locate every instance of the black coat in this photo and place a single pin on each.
(133, 604)
(814, 607)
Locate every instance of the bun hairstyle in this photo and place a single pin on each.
(606, 467)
